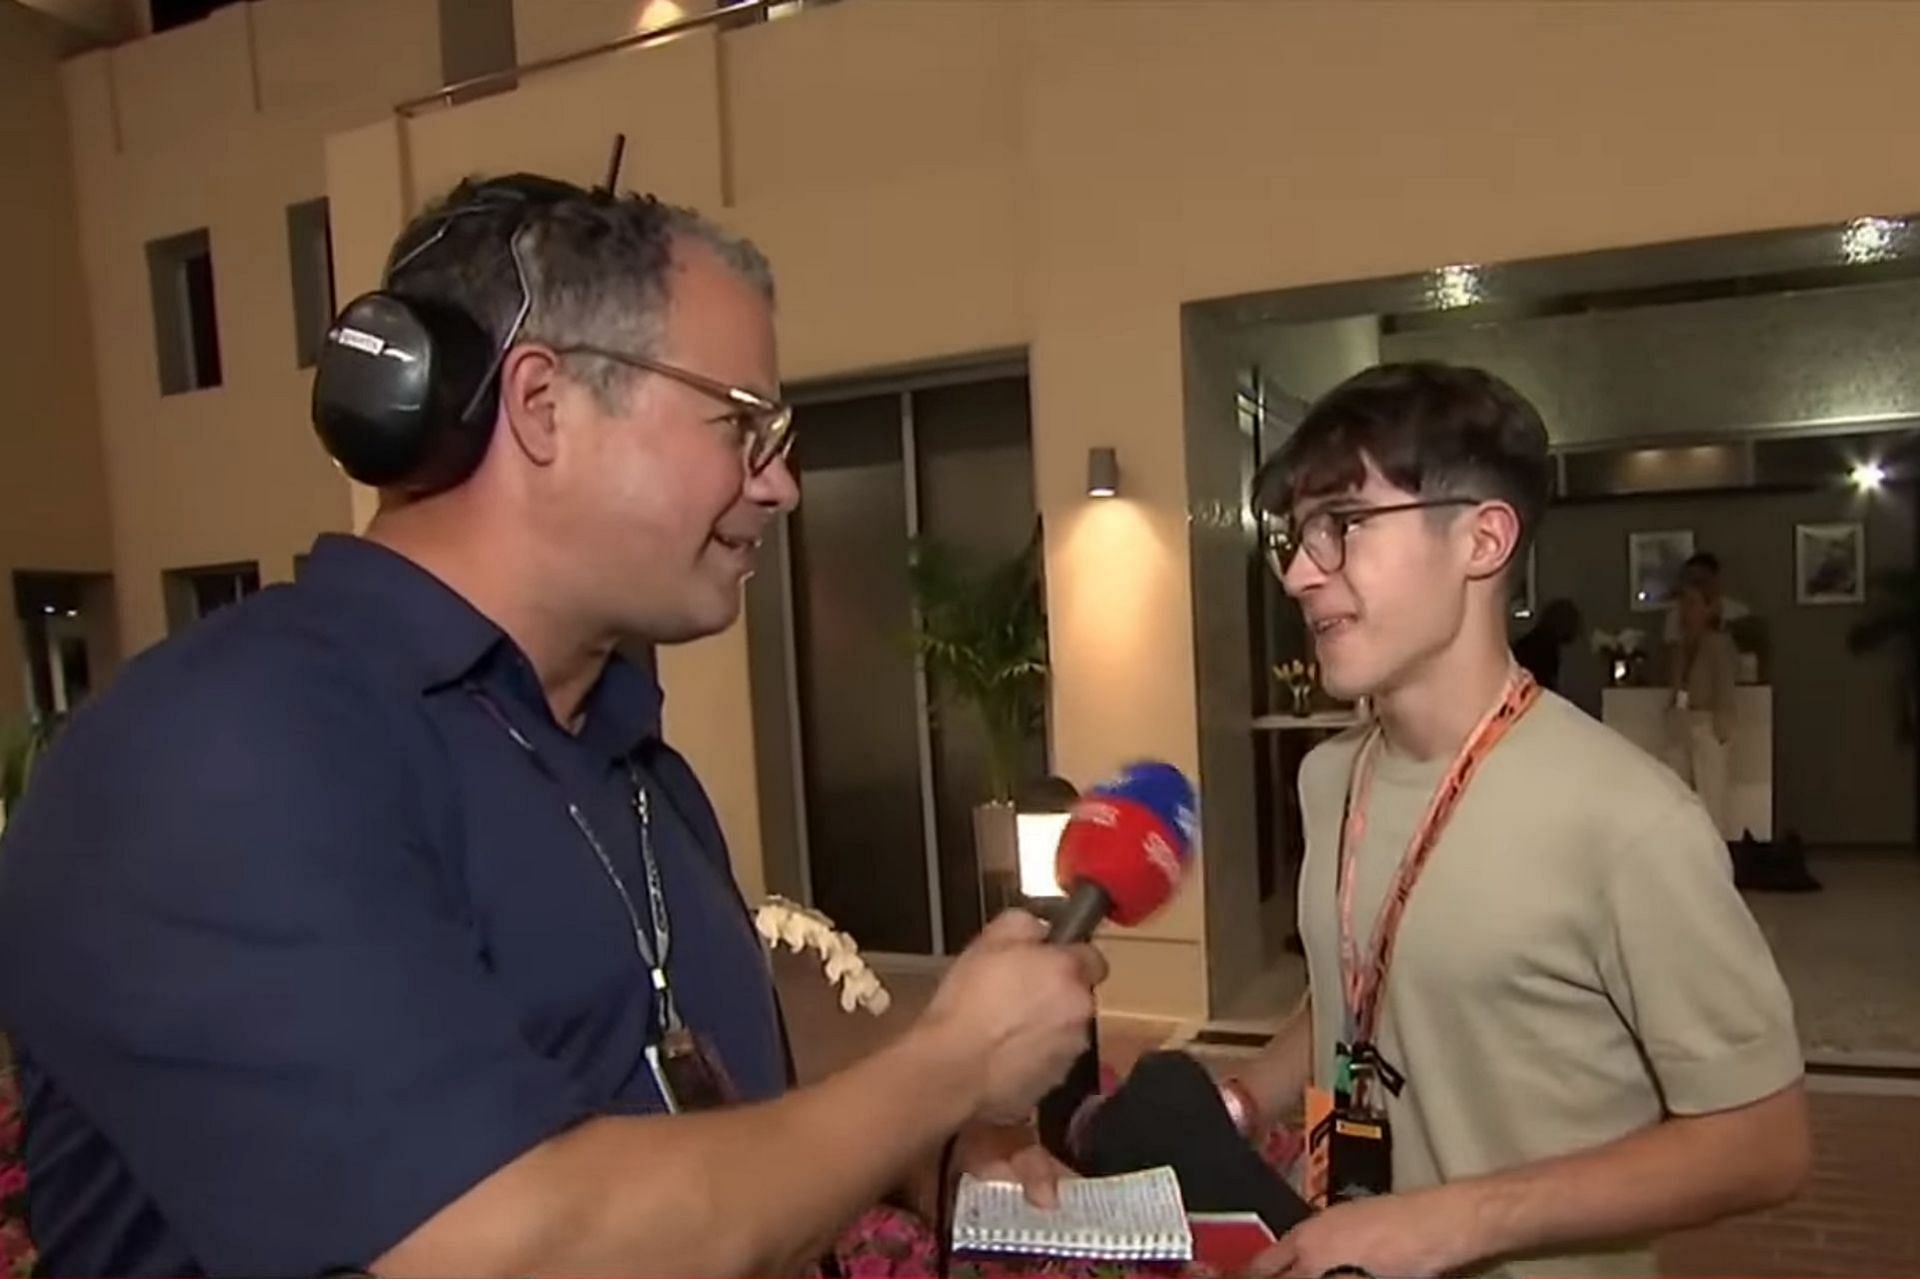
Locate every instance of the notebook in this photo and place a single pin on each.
(1228, 1242)
(1135, 1217)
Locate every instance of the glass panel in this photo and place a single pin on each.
(975, 459)
(858, 714)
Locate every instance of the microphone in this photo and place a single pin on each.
(1124, 850)
(1121, 857)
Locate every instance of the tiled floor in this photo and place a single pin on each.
(1851, 955)
(1860, 1216)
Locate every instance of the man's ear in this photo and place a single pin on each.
(1493, 532)
(530, 401)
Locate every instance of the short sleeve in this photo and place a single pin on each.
(227, 940)
(1689, 969)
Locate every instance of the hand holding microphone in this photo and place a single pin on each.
(1021, 1007)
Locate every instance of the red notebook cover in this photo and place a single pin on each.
(1229, 1241)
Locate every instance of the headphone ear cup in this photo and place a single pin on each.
(391, 387)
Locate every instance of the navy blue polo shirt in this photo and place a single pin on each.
(297, 945)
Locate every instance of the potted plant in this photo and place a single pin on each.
(20, 746)
(982, 636)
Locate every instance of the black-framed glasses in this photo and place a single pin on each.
(765, 426)
(1323, 534)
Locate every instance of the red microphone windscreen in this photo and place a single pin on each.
(1121, 846)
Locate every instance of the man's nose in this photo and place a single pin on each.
(775, 486)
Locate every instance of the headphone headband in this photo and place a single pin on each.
(401, 390)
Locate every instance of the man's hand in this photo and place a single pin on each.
(1009, 1153)
(1408, 1236)
(1020, 1008)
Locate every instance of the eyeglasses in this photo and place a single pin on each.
(765, 426)
(1323, 534)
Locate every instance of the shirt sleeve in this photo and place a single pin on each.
(1689, 969)
(226, 938)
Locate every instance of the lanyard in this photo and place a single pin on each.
(1361, 984)
(666, 1013)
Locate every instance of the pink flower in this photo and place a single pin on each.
(16, 1250)
(13, 1180)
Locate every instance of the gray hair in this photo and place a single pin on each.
(596, 266)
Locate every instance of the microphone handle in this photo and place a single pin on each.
(1086, 906)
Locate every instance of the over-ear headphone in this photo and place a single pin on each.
(405, 388)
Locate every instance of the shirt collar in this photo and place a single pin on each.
(443, 639)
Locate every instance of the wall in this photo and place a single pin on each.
(1695, 370)
(221, 124)
(53, 498)
(942, 179)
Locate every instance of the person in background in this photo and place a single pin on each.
(1701, 717)
(1539, 649)
(1702, 570)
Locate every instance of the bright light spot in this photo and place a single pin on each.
(1871, 240)
(1454, 286)
(1038, 836)
(657, 13)
(1867, 476)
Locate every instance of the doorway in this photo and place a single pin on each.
(869, 771)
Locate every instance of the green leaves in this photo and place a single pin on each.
(982, 635)
(20, 746)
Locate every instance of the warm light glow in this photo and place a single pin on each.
(1038, 837)
(1871, 240)
(1454, 286)
(658, 13)
(1867, 476)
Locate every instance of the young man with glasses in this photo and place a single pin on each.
(1542, 1028)
(373, 924)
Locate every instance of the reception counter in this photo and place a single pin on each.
(1639, 714)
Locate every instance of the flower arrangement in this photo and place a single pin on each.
(1623, 651)
(17, 1256)
(780, 921)
(1301, 680)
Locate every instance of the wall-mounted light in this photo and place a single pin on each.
(1103, 473)
(1867, 476)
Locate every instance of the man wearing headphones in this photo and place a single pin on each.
(371, 924)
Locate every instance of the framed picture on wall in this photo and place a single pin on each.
(1829, 563)
(1653, 567)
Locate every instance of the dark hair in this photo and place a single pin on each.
(1703, 559)
(1432, 429)
(597, 263)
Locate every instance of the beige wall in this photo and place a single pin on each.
(939, 179)
(221, 124)
(53, 501)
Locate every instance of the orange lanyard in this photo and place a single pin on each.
(1362, 984)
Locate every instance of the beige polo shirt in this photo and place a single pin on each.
(1574, 962)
